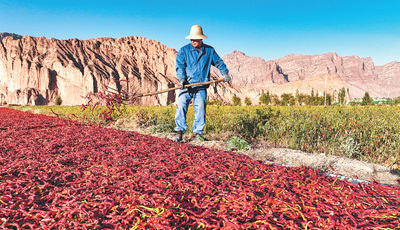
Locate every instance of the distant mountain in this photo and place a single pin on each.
(14, 36)
(360, 74)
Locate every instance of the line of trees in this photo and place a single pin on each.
(368, 100)
(302, 99)
(288, 99)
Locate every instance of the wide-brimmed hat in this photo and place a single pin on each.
(196, 32)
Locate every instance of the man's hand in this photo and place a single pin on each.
(183, 82)
(227, 78)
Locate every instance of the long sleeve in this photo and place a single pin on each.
(219, 63)
(181, 65)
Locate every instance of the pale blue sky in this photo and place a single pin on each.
(266, 29)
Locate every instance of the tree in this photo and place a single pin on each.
(319, 100)
(297, 98)
(302, 98)
(292, 101)
(312, 98)
(307, 99)
(265, 99)
(275, 100)
(328, 99)
(396, 100)
(236, 100)
(316, 99)
(342, 96)
(287, 99)
(367, 100)
(247, 101)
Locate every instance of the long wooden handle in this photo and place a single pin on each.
(179, 87)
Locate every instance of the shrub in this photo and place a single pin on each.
(251, 125)
(236, 100)
(166, 122)
(58, 100)
(238, 144)
(144, 118)
(247, 101)
(350, 146)
(214, 102)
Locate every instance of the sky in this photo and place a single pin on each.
(266, 29)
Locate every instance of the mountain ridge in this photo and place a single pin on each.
(34, 70)
(360, 73)
(14, 36)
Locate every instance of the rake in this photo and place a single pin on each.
(166, 90)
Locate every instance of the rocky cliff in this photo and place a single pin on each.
(35, 70)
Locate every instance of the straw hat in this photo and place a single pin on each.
(196, 32)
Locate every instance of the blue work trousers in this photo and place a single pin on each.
(199, 97)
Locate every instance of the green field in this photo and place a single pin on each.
(366, 133)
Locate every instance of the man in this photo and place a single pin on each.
(193, 64)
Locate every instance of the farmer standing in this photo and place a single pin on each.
(193, 64)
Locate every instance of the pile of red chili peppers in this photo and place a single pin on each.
(61, 174)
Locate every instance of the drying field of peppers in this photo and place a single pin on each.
(365, 133)
(63, 174)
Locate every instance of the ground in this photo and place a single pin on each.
(349, 169)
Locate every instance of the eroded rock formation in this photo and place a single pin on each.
(35, 70)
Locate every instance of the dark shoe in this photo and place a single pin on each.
(179, 136)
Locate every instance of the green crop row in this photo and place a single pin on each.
(370, 133)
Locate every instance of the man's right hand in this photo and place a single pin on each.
(183, 82)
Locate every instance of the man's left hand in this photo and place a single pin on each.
(227, 78)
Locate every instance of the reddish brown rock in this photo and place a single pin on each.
(252, 71)
(360, 74)
(389, 74)
(73, 68)
(34, 70)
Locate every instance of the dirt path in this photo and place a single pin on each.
(349, 169)
(354, 170)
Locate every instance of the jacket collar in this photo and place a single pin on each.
(193, 49)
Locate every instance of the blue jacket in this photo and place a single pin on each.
(195, 66)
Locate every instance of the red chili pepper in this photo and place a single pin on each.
(87, 174)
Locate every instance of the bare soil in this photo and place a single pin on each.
(350, 169)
